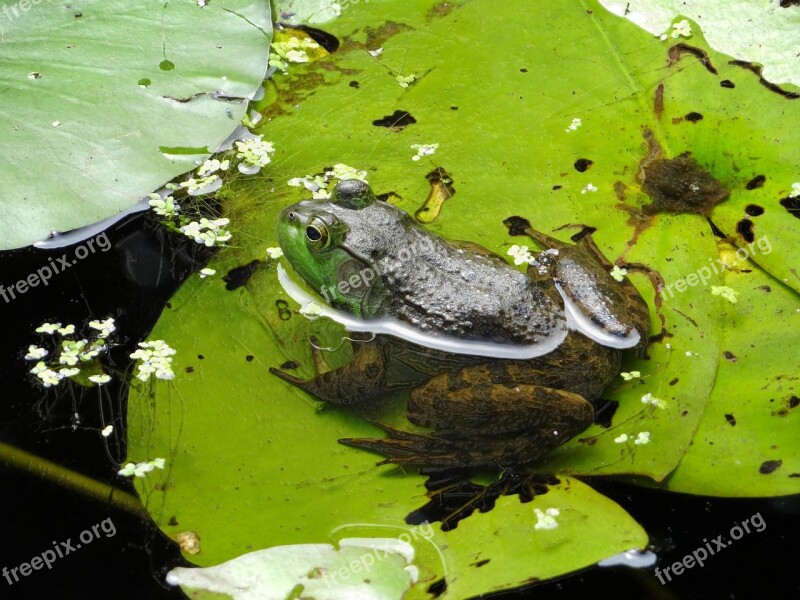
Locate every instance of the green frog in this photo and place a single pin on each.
(503, 365)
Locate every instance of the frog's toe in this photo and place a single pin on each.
(287, 377)
(404, 448)
(432, 451)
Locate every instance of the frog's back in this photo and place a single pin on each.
(452, 289)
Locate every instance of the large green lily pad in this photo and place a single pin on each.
(499, 90)
(116, 97)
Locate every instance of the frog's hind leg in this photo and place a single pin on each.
(359, 380)
(479, 423)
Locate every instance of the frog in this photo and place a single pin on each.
(502, 365)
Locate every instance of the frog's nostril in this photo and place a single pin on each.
(291, 217)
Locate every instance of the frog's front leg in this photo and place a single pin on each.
(359, 380)
(478, 422)
(608, 310)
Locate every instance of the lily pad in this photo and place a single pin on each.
(755, 32)
(552, 121)
(360, 568)
(749, 432)
(172, 81)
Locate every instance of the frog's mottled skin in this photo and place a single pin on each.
(483, 411)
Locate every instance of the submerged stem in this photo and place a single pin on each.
(48, 470)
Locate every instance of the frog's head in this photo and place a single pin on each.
(313, 235)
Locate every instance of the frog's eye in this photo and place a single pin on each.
(317, 235)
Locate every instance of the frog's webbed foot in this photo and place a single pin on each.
(405, 448)
(359, 380)
(479, 423)
(434, 451)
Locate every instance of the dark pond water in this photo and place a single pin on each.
(127, 557)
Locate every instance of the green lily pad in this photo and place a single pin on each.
(557, 542)
(171, 81)
(502, 109)
(747, 442)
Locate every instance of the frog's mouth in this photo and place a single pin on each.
(404, 331)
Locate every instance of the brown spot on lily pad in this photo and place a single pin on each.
(678, 51)
(730, 356)
(378, 36)
(620, 190)
(517, 225)
(756, 182)
(727, 83)
(583, 164)
(745, 229)
(693, 117)
(769, 466)
(681, 185)
(441, 190)
(757, 69)
(397, 121)
(303, 85)
(658, 101)
(754, 210)
(730, 419)
(441, 10)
